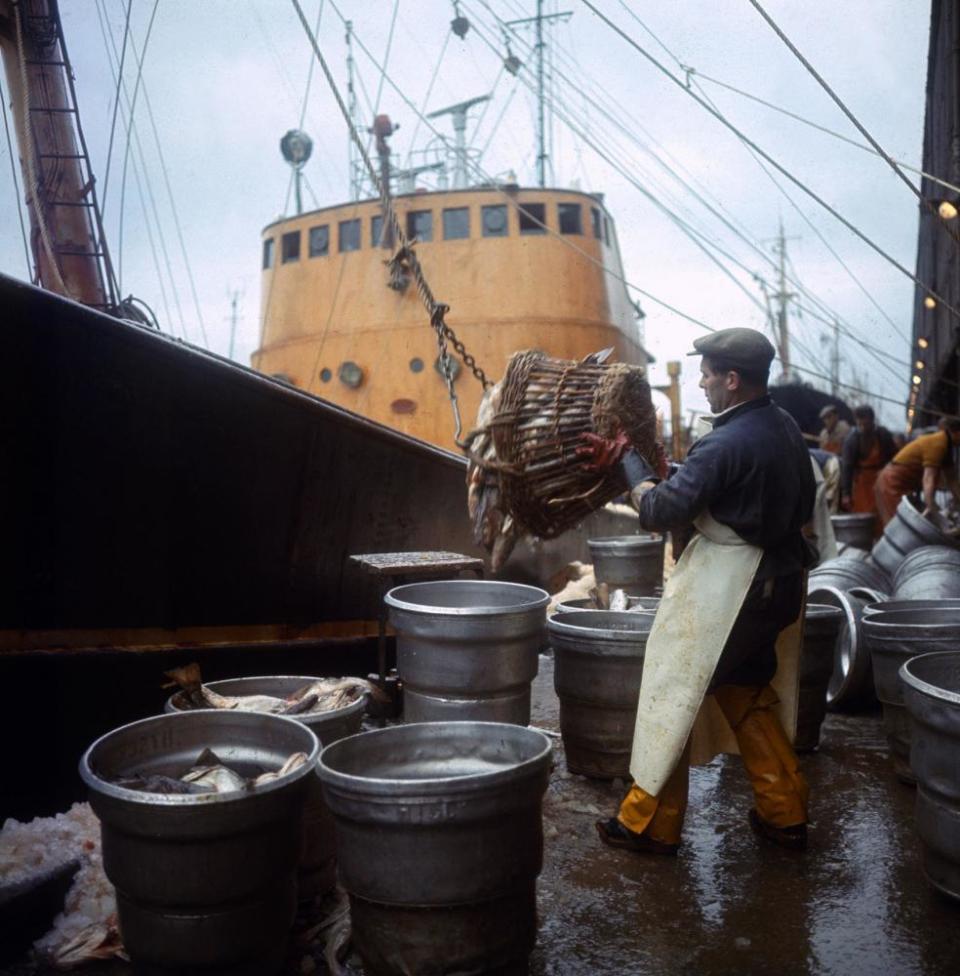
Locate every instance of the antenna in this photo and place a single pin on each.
(296, 147)
(459, 113)
(353, 163)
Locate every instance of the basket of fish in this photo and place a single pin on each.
(525, 476)
(201, 818)
(332, 708)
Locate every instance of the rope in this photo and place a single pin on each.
(404, 264)
(27, 143)
(16, 182)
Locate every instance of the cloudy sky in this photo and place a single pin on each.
(224, 79)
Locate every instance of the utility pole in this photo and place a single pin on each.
(783, 298)
(538, 23)
(233, 319)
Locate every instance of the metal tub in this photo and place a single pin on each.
(851, 681)
(895, 636)
(928, 573)
(645, 603)
(598, 663)
(931, 691)
(440, 842)
(854, 528)
(467, 649)
(205, 882)
(318, 857)
(846, 572)
(821, 629)
(629, 562)
(906, 531)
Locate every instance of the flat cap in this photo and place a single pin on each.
(828, 409)
(745, 348)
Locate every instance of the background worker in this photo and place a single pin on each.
(834, 431)
(748, 488)
(919, 467)
(865, 452)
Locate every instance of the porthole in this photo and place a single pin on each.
(325, 375)
(350, 374)
(454, 366)
(416, 365)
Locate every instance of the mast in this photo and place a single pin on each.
(66, 230)
(538, 23)
(353, 163)
(783, 298)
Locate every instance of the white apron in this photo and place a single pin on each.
(700, 603)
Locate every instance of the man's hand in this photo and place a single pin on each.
(601, 453)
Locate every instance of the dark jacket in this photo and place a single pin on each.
(851, 452)
(753, 473)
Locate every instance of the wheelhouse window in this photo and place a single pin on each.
(290, 247)
(568, 216)
(533, 218)
(493, 220)
(456, 223)
(420, 224)
(606, 230)
(376, 230)
(349, 235)
(268, 253)
(319, 245)
(595, 220)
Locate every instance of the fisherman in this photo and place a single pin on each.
(748, 488)
(834, 431)
(919, 466)
(865, 451)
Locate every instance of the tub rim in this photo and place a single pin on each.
(93, 781)
(395, 602)
(924, 687)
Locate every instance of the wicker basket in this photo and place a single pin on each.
(545, 406)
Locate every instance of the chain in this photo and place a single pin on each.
(404, 264)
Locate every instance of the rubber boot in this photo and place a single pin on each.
(779, 788)
(659, 817)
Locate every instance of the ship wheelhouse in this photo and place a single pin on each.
(519, 268)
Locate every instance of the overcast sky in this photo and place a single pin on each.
(226, 78)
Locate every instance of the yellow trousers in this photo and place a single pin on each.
(779, 788)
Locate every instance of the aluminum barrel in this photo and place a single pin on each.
(821, 629)
(467, 649)
(629, 562)
(845, 572)
(928, 573)
(440, 842)
(851, 682)
(318, 857)
(931, 690)
(854, 528)
(895, 636)
(205, 882)
(598, 664)
(906, 531)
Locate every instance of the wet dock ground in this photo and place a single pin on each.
(855, 904)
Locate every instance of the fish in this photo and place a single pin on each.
(322, 695)
(210, 771)
(165, 785)
(295, 761)
(100, 940)
(618, 600)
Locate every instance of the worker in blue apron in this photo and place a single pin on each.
(721, 667)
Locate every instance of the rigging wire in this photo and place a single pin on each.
(601, 108)
(853, 119)
(126, 150)
(778, 166)
(816, 125)
(116, 104)
(111, 51)
(172, 200)
(16, 185)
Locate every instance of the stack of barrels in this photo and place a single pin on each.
(900, 644)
